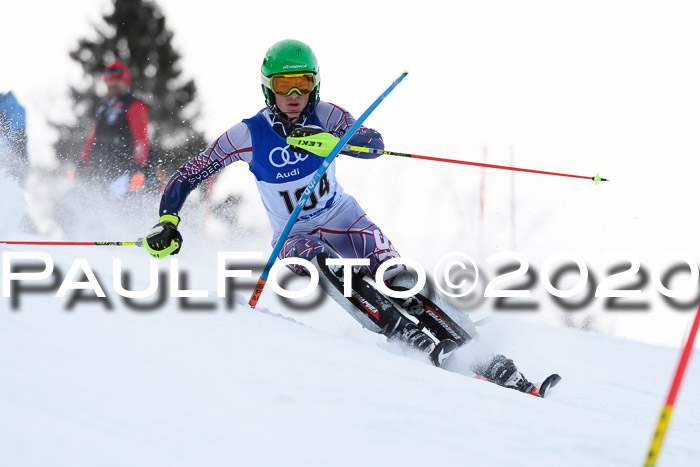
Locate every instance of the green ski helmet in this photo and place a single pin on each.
(289, 56)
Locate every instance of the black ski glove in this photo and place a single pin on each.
(303, 132)
(164, 239)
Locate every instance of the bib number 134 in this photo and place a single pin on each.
(323, 189)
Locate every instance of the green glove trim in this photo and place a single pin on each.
(320, 144)
(169, 218)
(161, 253)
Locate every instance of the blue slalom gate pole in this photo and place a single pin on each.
(310, 188)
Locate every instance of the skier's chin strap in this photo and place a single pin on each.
(284, 118)
(283, 124)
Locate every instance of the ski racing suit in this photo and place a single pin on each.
(331, 218)
(331, 223)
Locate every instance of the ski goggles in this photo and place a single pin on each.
(117, 74)
(284, 85)
(114, 71)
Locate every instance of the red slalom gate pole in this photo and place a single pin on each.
(667, 410)
(136, 243)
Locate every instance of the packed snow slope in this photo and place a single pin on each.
(171, 387)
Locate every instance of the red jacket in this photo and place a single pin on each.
(118, 142)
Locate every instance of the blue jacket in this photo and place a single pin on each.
(13, 123)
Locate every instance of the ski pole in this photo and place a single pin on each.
(667, 410)
(138, 243)
(595, 178)
(340, 143)
(320, 144)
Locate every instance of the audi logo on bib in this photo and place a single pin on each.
(280, 157)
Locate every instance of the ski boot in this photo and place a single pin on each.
(502, 371)
(378, 314)
(415, 338)
(439, 316)
(413, 306)
(437, 352)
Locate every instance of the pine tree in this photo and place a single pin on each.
(136, 33)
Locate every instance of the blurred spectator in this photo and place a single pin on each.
(116, 153)
(13, 137)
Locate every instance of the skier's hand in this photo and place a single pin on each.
(367, 139)
(164, 239)
(303, 132)
(307, 130)
(369, 134)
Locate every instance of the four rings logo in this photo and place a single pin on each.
(285, 157)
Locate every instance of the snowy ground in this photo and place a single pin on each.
(97, 386)
(171, 387)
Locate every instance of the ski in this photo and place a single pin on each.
(538, 390)
(549, 382)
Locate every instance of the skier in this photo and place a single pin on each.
(13, 137)
(332, 224)
(116, 152)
